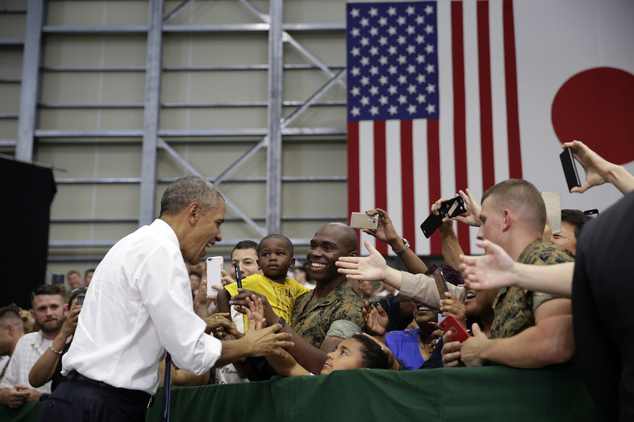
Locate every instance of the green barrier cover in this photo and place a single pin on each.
(493, 393)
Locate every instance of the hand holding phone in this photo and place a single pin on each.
(450, 209)
(214, 270)
(236, 267)
(458, 332)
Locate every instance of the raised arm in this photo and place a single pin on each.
(374, 268)
(285, 365)
(598, 170)
(386, 232)
(306, 355)
(496, 269)
(44, 369)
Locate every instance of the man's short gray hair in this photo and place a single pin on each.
(187, 190)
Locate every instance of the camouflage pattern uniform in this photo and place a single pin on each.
(312, 319)
(515, 307)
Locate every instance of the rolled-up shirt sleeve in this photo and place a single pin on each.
(423, 289)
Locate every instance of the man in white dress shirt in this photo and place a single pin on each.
(140, 304)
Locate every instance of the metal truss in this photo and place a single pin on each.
(153, 138)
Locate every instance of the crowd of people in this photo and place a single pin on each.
(517, 302)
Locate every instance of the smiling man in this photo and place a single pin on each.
(139, 305)
(331, 312)
(49, 312)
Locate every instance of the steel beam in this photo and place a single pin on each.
(288, 38)
(164, 145)
(94, 69)
(172, 133)
(10, 80)
(8, 142)
(151, 113)
(313, 99)
(132, 29)
(171, 15)
(30, 80)
(12, 41)
(274, 149)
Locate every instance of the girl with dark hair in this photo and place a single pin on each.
(358, 352)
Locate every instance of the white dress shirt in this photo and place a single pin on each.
(140, 303)
(27, 351)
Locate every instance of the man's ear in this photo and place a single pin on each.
(194, 212)
(354, 253)
(66, 309)
(258, 262)
(32, 312)
(292, 264)
(10, 329)
(508, 220)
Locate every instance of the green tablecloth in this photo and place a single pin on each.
(443, 395)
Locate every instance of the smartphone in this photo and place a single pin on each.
(458, 332)
(236, 267)
(215, 265)
(80, 299)
(360, 220)
(57, 279)
(441, 283)
(450, 209)
(592, 213)
(570, 168)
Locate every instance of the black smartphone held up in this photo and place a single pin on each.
(236, 267)
(80, 300)
(570, 169)
(449, 209)
(592, 213)
(57, 279)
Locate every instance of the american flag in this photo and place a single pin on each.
(432, 108)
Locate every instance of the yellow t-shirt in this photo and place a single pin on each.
(281, 297)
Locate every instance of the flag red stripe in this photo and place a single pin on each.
(354, 192)
(486, 108)
(407, 183)
(459, 123)
(433, 168)
(510, 69)
(380, 174)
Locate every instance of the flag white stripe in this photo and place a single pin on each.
(393, 168)
(498, 92)
(472, 103)
(447, 172)
(421, 182)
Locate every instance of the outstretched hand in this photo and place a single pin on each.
(266, 341)
(370, 268)
(494, 270)
(255, 313)
(375, 318)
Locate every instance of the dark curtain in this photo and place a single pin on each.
(27, 192)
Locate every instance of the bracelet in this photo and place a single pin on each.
(405, 248)
(55, 351)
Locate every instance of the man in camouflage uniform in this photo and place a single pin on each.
(328, 314)
(530, 329)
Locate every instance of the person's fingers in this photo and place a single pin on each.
(369, 247)
(348, 261)
(451, 360)
(369, 232)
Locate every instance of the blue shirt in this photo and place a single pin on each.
(404, 346)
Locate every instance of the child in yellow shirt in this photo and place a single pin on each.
(275, 258)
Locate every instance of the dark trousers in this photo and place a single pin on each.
(83, 400)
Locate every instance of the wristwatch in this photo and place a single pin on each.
(405, 248)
